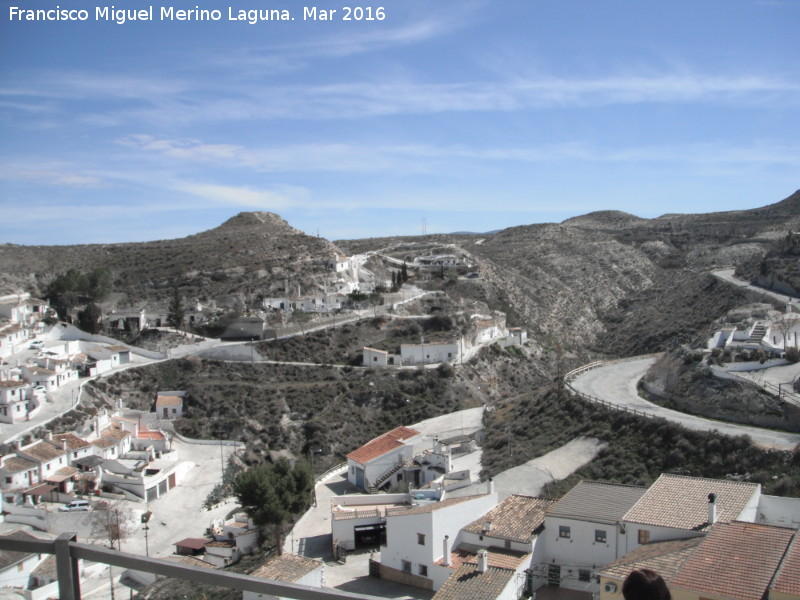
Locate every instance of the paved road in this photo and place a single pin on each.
(616, 384)
(728, 275)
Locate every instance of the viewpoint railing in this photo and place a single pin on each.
(68, 552)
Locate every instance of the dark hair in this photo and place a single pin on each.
(645, 584)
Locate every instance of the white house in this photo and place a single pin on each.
(288, 568)
(494, 552)
(17, 473)
(416, 538)
(15, 397)
(375, 358)
(36, 376)
(428, 353)
(583, 529)
(16, 567)
(169, 405)
(677, 506)
(376, 463)
(48, 455)
(12, 337)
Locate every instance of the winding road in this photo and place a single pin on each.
(615, 384)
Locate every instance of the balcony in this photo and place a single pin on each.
(68, 552)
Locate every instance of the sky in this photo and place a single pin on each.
(436, 116)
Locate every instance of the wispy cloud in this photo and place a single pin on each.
(52, 177)
(243, 196)
(364, 158)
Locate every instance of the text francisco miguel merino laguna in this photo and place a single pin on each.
(170, 13)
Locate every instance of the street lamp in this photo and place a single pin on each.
(145, 520)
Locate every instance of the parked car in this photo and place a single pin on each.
(75, 505)
(36, 344)
(39, 389)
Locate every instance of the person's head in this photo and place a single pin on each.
(645, 584)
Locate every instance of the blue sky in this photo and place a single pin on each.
(471, 115)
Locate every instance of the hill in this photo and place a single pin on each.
(255, 251)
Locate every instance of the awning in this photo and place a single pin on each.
(39, 490)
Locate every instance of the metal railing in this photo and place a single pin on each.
(68, 552)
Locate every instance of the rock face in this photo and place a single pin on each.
(255, 252)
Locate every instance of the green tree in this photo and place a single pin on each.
(89, 318)
(175, 312)
(273, 494)
(403, 273)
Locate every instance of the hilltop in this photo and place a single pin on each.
(255, 250)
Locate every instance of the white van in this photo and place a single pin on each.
(75, 505)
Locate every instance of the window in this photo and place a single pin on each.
(423, 570)
(406, 566)
(600, 536)
(644, 536)
(563, 531)
(508, 544)
(421, 539)
(9, 480)
(584, 575)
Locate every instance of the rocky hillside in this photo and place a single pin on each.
(254, 252)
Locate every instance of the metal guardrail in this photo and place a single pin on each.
(68, 552)
(593, 365)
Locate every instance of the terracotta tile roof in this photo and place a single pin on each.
(787, 581)
(17, 464)
(169, 401)
(12, 384)
(516, 518)
(115, 435)
(467, 583)
(382, 444)
(41, 371)
(665, 558)
(73, 441)
(429, 507)
(44, 451)
(497, 557)
(735, 560)
(597, 502)
(119, 349)
(191, 561)
(193, 543)
(681, 502)
(287, 567)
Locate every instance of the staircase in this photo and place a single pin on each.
(384, 478)
(757, 333)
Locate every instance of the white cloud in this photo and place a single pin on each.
(244, 196)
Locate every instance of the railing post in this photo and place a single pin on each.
(69, 581)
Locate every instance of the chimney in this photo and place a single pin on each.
(487, 526)
(483, 560)
(712, 508)
(446, 551)
(50, 436)
(64, 445)
(490, 486)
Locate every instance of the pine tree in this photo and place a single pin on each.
(175, 312)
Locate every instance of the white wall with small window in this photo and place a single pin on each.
(637, 534)
(578, 546)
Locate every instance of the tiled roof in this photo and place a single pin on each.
(115, 435)
(17, 464)
(496, 557)
(516, 518)
(73, 441)
(12, 384)
(665, 558)
(469, 583)
(429, 507)
(193, 543)
(382, 444)
(7, 557)
(735, 560)
(41, 371)
(681, 502)
(169, 401)
(44, 451)
(597, 502)
(787, 580)
(287, 567)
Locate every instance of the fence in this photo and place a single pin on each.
(593, 365)
(68, 552)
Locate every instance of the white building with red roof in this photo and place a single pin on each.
(379, 462)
